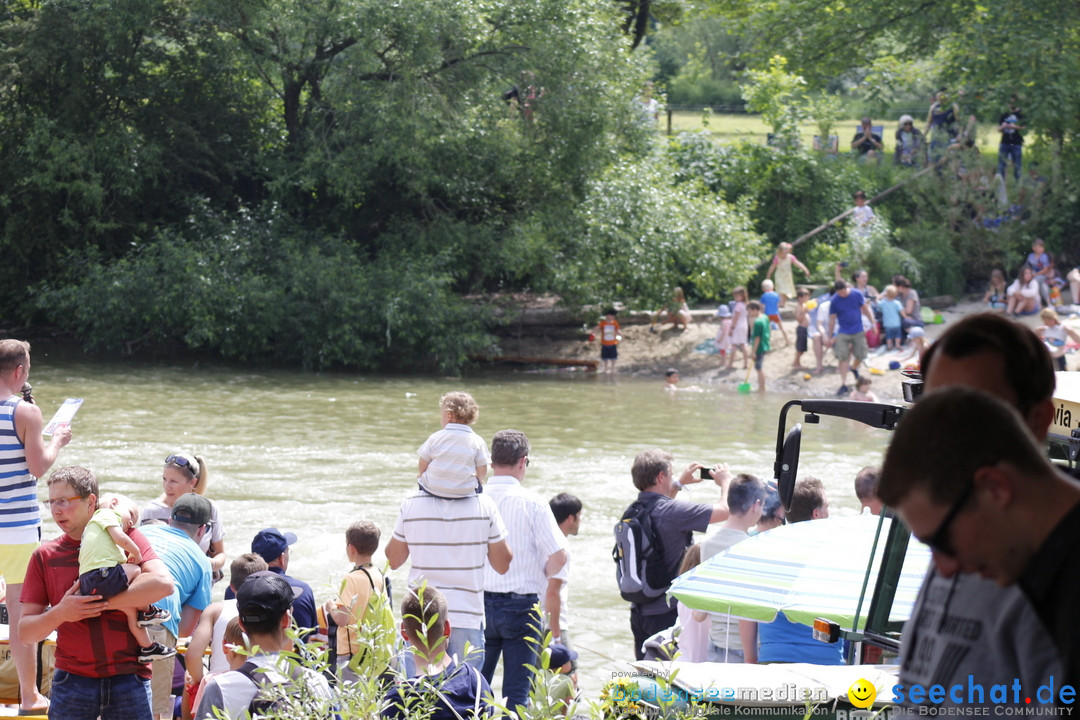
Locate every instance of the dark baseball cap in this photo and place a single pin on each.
(560, 655)
(271, 543)
(192, 508)
(264, 597)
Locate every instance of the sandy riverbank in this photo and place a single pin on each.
(644, 353)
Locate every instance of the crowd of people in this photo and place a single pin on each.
(489, 556)
(996, 606)
(488, 581)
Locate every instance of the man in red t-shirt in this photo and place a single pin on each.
(98, 673)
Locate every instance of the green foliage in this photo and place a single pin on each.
(698, 63)
(780, 97)
(263, 291)
(642, 234)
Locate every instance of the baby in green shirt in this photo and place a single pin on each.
(109, 560)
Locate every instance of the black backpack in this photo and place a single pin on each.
(639, 554)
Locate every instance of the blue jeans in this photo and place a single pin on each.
(121, 697)
(513, 629)
(1009, 151)
(456, 646)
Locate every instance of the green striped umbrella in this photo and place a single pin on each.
(808, 570)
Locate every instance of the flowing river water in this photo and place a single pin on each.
(312, 453)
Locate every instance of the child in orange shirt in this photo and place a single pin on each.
(608, 330)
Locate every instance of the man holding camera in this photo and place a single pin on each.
(674, 523)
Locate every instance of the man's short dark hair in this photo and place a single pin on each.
(80, 479)
(1028, 367)
(753, 305)
(363, 537)
(648, 465)
(508, 446)
(865, 480)
(424, 614)
(243, 566)
(947, 436)
(839, 285)
(743, 492)
(563, 506)
(809, 496)
(771, 508)
(13, 353)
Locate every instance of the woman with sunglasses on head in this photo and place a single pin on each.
(184, 474)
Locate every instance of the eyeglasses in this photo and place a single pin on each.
(941, 540)
(61, 503)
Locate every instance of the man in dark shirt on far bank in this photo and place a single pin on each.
(1012, 142)
(867, 143)
(674, 522)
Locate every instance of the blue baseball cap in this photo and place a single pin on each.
(271, 543)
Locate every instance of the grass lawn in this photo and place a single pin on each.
(733, 128)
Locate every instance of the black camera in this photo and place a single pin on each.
(911, 385)
(706, 473)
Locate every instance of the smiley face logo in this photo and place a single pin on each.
(862, 693)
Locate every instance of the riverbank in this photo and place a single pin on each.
(643, 352)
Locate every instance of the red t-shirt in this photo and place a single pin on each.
(96, 648)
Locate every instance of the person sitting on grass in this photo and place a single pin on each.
(1023, 294)
(443, 689)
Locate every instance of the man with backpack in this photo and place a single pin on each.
(653, 535)
(272, 679)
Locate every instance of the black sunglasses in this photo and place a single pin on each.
(941, 540)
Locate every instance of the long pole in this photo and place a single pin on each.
(844, 214)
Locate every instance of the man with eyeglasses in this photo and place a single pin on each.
(963, 624)
(177, 544)
(513, 623)
(970, 480)
(98, 673)
(24, 457)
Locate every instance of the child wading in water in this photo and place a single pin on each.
(862, 390)
(109, 560)
(781, 263)
(454, 460)
(608, 330)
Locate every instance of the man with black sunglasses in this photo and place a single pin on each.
(969, 479)
(962, 624)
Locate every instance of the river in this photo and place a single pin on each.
(311, 453)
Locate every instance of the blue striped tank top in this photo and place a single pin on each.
(20, 517)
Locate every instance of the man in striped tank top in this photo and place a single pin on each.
(24, 457)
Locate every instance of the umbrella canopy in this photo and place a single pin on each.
(808, 570)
